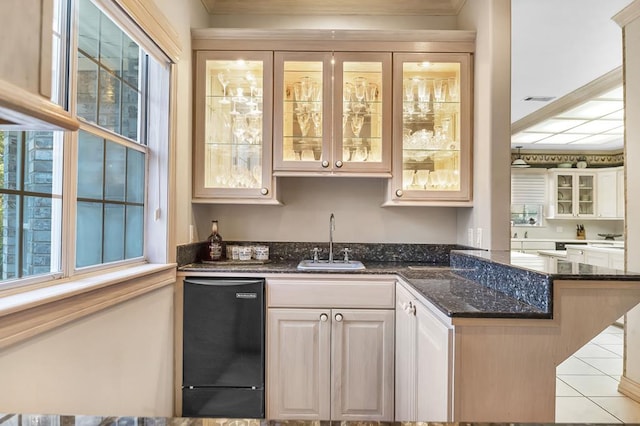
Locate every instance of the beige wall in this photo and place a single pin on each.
(308, 202)
(116, 362)
(632, 205)
(492, 134)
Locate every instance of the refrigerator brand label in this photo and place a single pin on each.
(246, 296)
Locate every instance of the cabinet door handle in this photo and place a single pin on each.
(338, 164)
(411, 309)
(399, 193)
(338, 317)
(325, 164)
(324, 317)
(264, 191)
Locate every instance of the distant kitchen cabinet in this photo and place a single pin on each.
(330, 349)
(232, 158)
(610, 193)
(332, 113)
(573, 194)
(423, 361)
(432, 129)
(26, 67)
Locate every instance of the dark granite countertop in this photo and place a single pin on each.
(451, 293)
(71, 420)
(459, 282)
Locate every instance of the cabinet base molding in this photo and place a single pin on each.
(630, 388)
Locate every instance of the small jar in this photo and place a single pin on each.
(244, 253)
(261, 252)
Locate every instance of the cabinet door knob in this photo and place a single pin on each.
(325, 164)
(399, 192)
(324, 317)
(338, 164)
(264, 191)
(338, 317)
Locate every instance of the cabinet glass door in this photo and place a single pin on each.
(302, 108)
(564, 194)
(432, 134)
(233, 127)
(585, 197)
(362, 138)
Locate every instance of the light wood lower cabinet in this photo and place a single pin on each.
(330, 363)
(423, 361)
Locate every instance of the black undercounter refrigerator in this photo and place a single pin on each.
(223, 348)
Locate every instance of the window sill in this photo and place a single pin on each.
(31, 312)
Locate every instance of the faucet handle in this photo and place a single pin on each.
(346, 252)
(315, 251)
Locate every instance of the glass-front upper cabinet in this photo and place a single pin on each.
(332, 109)
(232, 133)
(432, 133)
(574, 194)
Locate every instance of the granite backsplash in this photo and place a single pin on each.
(437, 254)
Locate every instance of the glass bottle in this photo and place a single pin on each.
(214, 243)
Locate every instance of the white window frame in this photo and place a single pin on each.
(33, 305)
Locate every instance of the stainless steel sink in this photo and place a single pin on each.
(324, 265)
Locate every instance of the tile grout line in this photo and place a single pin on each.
(605, 410)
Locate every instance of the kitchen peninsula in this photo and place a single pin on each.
(500, 329)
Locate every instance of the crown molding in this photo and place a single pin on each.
(628, 14)
(551, 159)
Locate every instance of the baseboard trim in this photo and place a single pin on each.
(630, 388)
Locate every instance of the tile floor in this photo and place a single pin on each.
(587, 383)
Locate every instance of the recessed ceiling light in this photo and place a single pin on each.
(593, 109)
(597, 139)
(596, 126)
(617, 94)
(528, 137)
(555, 125)
(558, 139)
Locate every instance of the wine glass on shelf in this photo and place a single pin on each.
(304, 121)
(360, 89)
(223, 78)
(316, 117)
(357, 120)
(239, 127)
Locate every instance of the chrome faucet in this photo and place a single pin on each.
(332, 227)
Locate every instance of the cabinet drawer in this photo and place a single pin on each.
(309, 292)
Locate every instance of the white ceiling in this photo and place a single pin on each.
(559, 46)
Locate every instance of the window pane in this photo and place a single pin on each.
(37, 236)
(129, 113)
(10, 154)
(38, 176)
(88, 27)
(113, 232)
(135, 176)
(9, 214)
(130, 61)
(110, 45)
(90, 165)
(135, 231)
(88, 234)
(87, 91)
(116, 163)
(109, 107)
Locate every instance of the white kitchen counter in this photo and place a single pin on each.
(553, 253)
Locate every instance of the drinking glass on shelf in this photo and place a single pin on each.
(357, 120)
(254, 128)
(316, 117)
(223, 78)
(304, 122)
(437, 90)
(452, 87)
(360, 88)
(239, 127)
